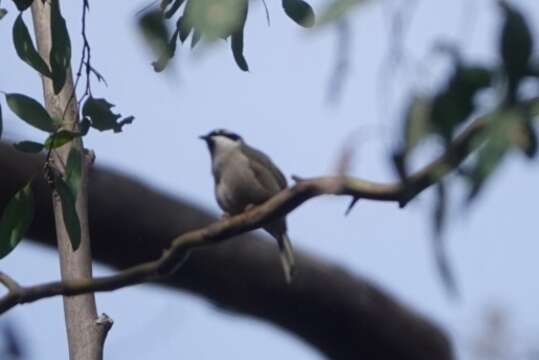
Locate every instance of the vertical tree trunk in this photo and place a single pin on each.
(86, 334)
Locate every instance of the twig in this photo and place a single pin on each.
(9, 282)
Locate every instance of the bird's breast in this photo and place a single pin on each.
(236, 186)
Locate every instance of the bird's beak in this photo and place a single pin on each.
(204, 137)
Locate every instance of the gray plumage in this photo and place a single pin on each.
(246, 177)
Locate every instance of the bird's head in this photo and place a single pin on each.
(221, 140)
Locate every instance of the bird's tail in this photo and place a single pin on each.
(287, 257)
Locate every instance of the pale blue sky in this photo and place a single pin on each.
(280, 107)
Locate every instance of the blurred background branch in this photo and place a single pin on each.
(346, 316)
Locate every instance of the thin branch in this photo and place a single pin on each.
(281, 204)
(9, 282)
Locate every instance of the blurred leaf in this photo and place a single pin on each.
(60, 55)
(175, 6)
(236, 42)
(195, 39)
(98, 113)
(399, 162)
(184, 28)
(29, 147)
(60, 138)
(22, 4)
(161, 63)
(504, 131)
(25, 47)
(440, 209)
(155, 32)
(417, 121)
(416, 127)
(69, 212)
(455, 103)
(30, 111)
(3, 13)
(211, 19)
(16, 219)
(440, 255)
(337, 9)
(529, 145)
(299, 11)
(237, 51)
(84, 126)
(215, 19)
(164, 4)
(13, 345)
(516, 44)
(74, 171)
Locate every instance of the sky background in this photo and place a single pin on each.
(281, 107)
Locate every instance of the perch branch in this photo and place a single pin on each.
(281, 204)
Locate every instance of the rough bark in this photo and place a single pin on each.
(342, 315)
(85, 335)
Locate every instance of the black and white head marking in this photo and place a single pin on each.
(222, 140)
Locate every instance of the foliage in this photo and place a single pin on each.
(211, 20)
(96, 113)
(442, 115)
(16, 219)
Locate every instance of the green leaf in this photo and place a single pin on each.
(440, 254)
(184, 28)
(98, 112)
(529, 143)
(175, 6)
(84, 126)
(516, 46)
(417, 118)
(3, 13)
(161, 63)
(237, 50)
(60, 138)
(505, 131)
(236, 42)
(29, 147)
(195, 38)
(25, 47)
(60, 55)
(74, 171)
(16, 219)
(30, 111)
(164, 4)
(69, 212)
(214, 19)
(156, 34)
(154, 30)
(299, 11)
(337, 9)
(22, 4)
(453, 104)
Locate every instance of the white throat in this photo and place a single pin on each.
(224, 144)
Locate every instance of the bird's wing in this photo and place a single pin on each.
(268, 175)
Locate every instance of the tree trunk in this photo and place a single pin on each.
(85, 333)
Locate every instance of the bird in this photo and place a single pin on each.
(245, 177)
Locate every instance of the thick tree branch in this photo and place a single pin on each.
(345, 316)
(281, 204)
